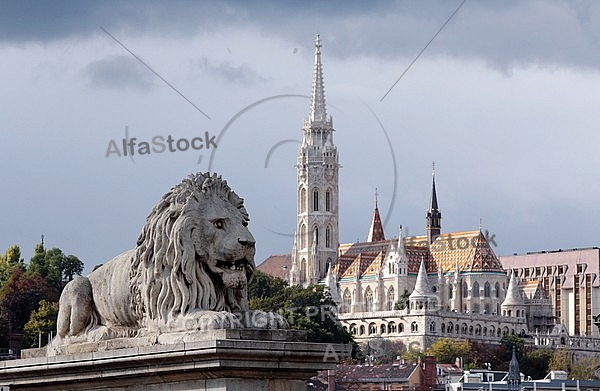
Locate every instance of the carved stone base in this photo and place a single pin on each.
(216, 360)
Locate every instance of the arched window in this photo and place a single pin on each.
(316, 236)
(414, 327)
(328, 201)
(353, 329)
(391, 327)
(465, 289)
(328, 237)
(346, 301)
(497, 290)
(486, 289)
(400, 327)
(382, 329)
(372, 328)
(475, 308)
(432, 327)
(486, 309)
(316, 200)
(391, 297)
(475, 291)
(361, 329)
(369, 300)
(450, 291)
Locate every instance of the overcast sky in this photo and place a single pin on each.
(505, 100)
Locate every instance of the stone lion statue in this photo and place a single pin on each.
(189, 271)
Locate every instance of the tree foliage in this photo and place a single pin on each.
(42, 321)
(54, 267)
(311, 309)
(446, 350)
(536, 362)
(9, 261)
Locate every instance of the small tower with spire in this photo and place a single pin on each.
(514, 373)
(513, 304)
(317, 232)
(434, 216)
(422, 297)
(376, 230)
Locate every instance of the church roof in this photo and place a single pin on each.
(277, 265)
(376, 231)
(469, 248)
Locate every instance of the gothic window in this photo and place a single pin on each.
(414, 327)
(450, 289)
(432, 327)
(475, 289)
(465, 289)
(391, 327)
(382, 329)
(486, 289)
(328, 237)
(390, 298)
(316, 236)
(486, 309)
(346, 301)
(372, 328)
(353, 329)
(497, 290)
(400, 327)
(369, 300)
(328, 201)
(316, 200)
(361, 330)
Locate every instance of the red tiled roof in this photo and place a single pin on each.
(277, 265)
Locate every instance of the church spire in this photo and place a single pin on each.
(376, 231)
(434, 216)
(318, 111)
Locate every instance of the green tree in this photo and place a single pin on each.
(513, 341)
(446, 350)
(54, 267)
(311, 309)
(42, 321)
(560, 361)
(584, 368)
(402, 302)
(536, 361)
(9, 261)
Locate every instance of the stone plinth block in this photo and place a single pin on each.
(217, 360)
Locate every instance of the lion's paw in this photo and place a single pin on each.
(211, 320)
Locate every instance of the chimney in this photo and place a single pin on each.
(430, 371)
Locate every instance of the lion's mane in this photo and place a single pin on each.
(167, 278)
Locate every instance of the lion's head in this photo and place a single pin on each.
(195, 252)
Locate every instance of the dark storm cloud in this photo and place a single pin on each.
(501, 34)
(119, 72)
(240, 74)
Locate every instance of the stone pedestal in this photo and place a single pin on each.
(217, 360)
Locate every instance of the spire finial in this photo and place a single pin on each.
(376, 195)
(433, 168)
(318, 111)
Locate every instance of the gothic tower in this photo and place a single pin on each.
(434, 216)
(317, 236)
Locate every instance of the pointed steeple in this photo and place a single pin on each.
(434, 216)
(422, 287)
(514, 373)
(318, 110)
(513, 296)
(376, 231)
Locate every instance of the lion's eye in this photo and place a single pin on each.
(219, 224)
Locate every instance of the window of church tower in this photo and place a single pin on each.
(316, 200)
(390, 298)
(465, 290)
(303, 270)
(450, 291)
(369, 300)
(328, 201)
(497, 288)
(303, 236)
(414, 327)
(328, 237)
(316, 236)
(475, 291)
(486, 290)
(346, 301)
